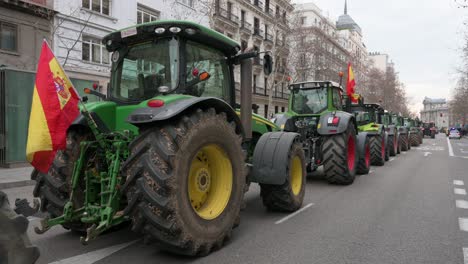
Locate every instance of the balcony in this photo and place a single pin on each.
(270, 12)
(269, 37)
(258, 34)
(258, 4)
(227, 15)
(259, 91)
(246, 26)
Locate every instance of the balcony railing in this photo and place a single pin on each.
(286, 95)
(227, 15)
(258, 32)
(246, 26)
(259, 91)
(258, 4)
(269, 37)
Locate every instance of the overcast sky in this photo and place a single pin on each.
(422, 37)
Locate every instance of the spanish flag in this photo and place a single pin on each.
(350, 85)
(54, 107)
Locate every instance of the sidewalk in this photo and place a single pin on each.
(17, 177)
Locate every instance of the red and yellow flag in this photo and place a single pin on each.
(350, 84)
(54, 107)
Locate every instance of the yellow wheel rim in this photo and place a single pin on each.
(210, 181)
(296, 175)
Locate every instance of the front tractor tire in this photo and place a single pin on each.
(340, 157)
(378, 150)
(364, 163)
(54, 188)
(414, 139)
(288, 197)
(404, 142)
(185, 182)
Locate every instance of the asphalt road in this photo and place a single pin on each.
(412, 210)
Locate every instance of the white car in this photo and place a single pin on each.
(454, 134)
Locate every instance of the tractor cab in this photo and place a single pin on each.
(313, 98)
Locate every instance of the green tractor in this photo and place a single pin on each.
(165, 149)
(394, 146)
(329, 135)
(399, 122)
(414, 132)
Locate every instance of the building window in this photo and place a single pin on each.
(8, 37)
(243, 45)
(100, 6)
(254, 84)
(94, 51)
(186, 2)
(267, 6)
(303, 20)
(276, 109)
(145, 14)
(282, 109)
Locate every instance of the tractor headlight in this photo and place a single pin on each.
(115, 56)
(109, 42)
(159, 30)
(190, 31)
(175, 29)
(163, 89)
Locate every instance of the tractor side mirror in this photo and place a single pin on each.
(267, 64)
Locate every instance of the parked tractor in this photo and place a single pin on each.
(399, 122)
(166, 149)
(414, 132)
(329, 135)
(429, 129)
(386, 118)
(367, 116)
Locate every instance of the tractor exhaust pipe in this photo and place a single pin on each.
(246, 96)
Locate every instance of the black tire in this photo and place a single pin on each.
(281, 197)
(364, 163)
(158, 170)
(404, 142)
(432, 135)
(336, 155)
(399, 144)
(378, 151)
(15, 245)
(414, 139)
(387, 150)
(54, 188)
(392, 145)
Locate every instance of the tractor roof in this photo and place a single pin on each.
(375, 106)
(146, 31)
(314, 84)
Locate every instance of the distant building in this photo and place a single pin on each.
(381, 61)
(435, 110)
(320, 55)
(23, 26)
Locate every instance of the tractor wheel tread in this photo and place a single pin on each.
(376, 151)
(280, 197)
(154, 203)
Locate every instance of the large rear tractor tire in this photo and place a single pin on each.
(340, 157)
(404, 142)
(364, 163)
(393, 145)
(289, 196)
(399, 144)
(377, 150)
(54, 188)
(414, 139)
(185, 182)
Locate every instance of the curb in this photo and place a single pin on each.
(15, 184)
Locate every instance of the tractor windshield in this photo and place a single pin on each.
(145, 68)
(309, 101)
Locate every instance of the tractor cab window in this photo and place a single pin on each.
(145, 68)
(200, 59)
(309, 101)
(337, 101)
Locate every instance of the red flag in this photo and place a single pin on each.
(350, 85)
(54, 107)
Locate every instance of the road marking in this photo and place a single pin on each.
(458, 182)
(459, 191)
(465, 255)
(370, 172)
(463, 223)
(284, 219)
(392, 159)
(450, 148)
(93, 256)
(404, 152)
(427, 154)
(461, 204)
